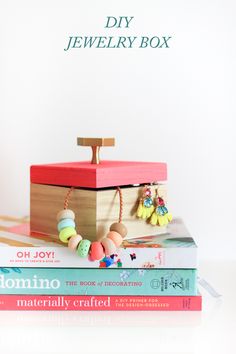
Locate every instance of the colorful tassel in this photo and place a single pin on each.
(160, 216)
(140, 209)
(146, 207)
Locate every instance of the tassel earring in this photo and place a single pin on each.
(161, 215)
(146, 207)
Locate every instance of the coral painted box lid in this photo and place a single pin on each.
(96, 173)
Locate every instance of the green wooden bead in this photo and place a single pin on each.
(83, 248)
(66, 233)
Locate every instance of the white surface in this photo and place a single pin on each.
(210, 332)
(175, 105)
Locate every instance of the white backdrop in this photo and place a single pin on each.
(175, 105)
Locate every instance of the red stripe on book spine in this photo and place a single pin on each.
(100, 303)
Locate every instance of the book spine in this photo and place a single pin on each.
(54, 257)
(100, 303)
(74, 281)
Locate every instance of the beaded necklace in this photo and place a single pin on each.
(94, 250)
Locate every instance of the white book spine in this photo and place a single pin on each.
(61, 257)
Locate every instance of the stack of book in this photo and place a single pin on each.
(149, 273)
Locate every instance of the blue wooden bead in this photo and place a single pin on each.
(65, 223)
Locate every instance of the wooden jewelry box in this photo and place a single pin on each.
(94, 199)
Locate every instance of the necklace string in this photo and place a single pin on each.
(68, 195)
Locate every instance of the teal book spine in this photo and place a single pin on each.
(103, 281)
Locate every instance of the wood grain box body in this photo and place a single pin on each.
(95, 210)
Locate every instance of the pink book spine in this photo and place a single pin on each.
(100, 303)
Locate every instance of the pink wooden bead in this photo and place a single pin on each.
(115, 237)
(74, 242)
(109, 246)
(96, 251)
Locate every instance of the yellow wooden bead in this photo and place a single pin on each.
(66, 233)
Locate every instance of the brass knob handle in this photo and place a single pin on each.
(95, 144)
